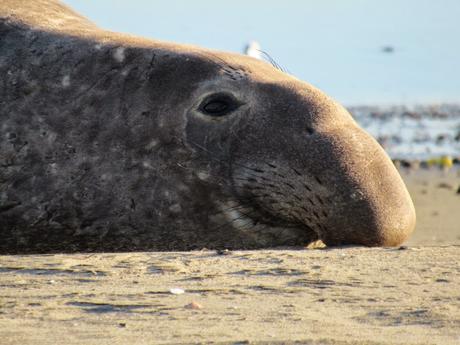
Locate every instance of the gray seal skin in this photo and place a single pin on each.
(111, 142)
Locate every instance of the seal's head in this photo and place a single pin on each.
(289, 157)
(115, 142)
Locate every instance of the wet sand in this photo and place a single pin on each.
(350, 295)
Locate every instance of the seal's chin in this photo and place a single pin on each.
(270, 229)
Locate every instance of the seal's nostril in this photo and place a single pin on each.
(310, 130)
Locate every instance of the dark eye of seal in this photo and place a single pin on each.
(218, 105)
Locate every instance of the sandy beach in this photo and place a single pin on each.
(437, 203)
(407, 295)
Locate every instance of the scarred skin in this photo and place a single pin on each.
(104, 146)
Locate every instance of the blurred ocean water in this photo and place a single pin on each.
(418, 132)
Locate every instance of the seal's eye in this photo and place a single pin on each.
(218, 105)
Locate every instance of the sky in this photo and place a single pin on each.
(336, 45)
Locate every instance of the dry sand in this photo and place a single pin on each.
(437, 204)
(316, 296)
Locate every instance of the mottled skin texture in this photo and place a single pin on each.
(103, 147)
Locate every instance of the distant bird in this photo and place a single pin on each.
(388, 49)
(253, 49)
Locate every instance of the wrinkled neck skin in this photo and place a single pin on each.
(103, 147)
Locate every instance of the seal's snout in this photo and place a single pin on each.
(316, 170)
(370, 202)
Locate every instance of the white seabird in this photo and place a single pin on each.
(253, 49)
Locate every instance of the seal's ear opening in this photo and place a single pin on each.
(219, 104)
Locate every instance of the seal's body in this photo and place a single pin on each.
(110, 142)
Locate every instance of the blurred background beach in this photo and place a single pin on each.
(394, 64)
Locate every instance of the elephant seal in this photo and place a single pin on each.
(111, 142)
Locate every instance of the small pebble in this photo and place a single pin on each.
(176, 291)
(122, 324)
(445, 185)
(440, 280)
(194, 305)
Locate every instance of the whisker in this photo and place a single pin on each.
(234, 220)
(220, 160)
(223, 64)
(217, 159)
(235, 207)
(263, 161)
(252, 223)
(272, 61)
